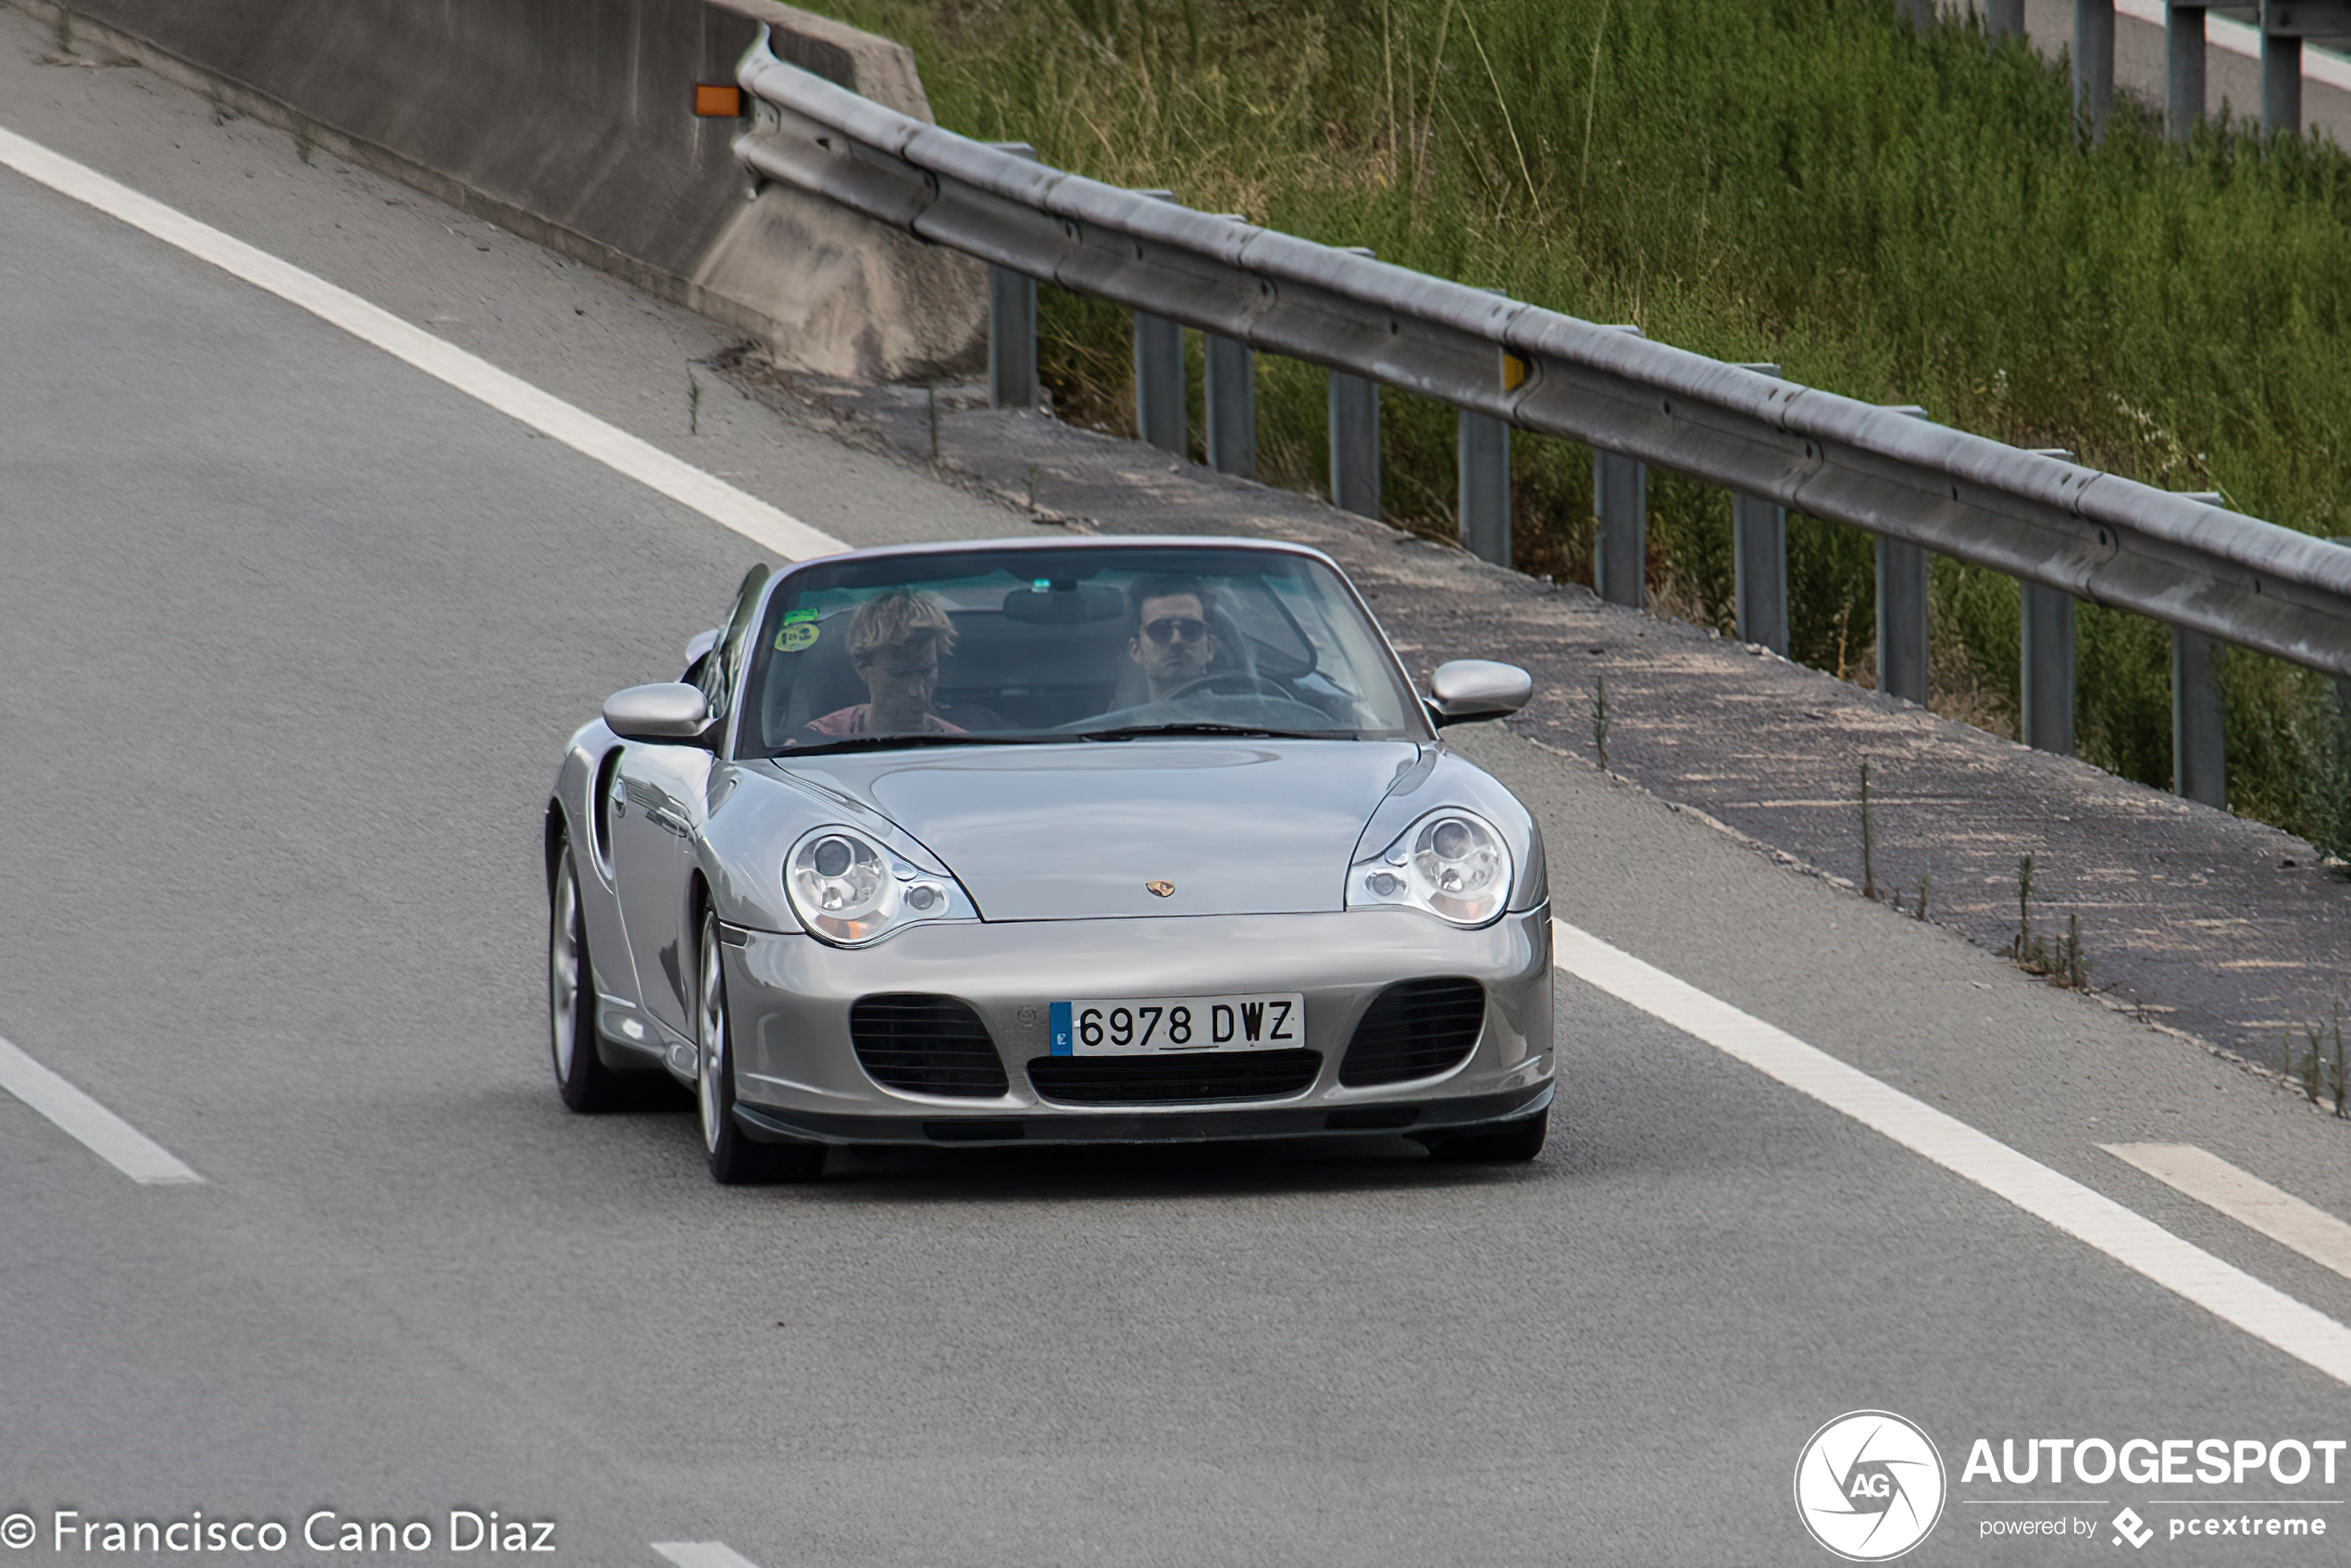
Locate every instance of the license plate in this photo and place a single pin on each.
(1153, 1025)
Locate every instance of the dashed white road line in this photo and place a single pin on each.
(702, 1554)
(640, 460)
(2245, 1198)
(2131, 1239)
(98, 1129)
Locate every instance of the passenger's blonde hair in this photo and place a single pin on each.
(895, 614)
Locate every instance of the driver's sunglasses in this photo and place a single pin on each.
(1170, 628)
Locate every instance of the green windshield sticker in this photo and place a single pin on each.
(791, 616)
(796, 636)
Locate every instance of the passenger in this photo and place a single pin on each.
(1175, 640)
(896, 640)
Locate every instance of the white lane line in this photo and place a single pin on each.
(764, 525)
(2245, 1198)
(2227, 1292)
(98, 1129)
(702, 1554)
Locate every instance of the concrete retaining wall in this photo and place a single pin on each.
(571, 122)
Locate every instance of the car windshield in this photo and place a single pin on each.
(1101, 643)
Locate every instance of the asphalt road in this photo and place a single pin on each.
(289, 634)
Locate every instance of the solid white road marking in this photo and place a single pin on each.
(2245, 1198)
(702, 1554)
(100, 1130)
(764, 525)
(2227, 1292)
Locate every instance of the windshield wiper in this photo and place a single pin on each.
(918, 738)
(1254, 731)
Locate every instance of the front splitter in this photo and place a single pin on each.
(1201, 1126)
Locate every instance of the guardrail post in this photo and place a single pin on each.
(1621, 506)
(1482, 450)
(2337, 760)
(2280, 82)
(2093, 63)
(1231, 395)
(1621, 519)
(2342, 692)
(2199, 741)
(1901, 620)
(1012, 323)
(2183, 68)
(1159, 383)
(1902, 611)
(2004, 16)
(1161, 413)
(1759, 557)
(1354, 431)
(2199, 731)
(1012, 338)
(1354, 438)
(2049, 668)
(2045, 629)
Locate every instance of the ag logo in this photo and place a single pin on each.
(1869, 1486)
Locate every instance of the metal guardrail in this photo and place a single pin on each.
(2207, 572)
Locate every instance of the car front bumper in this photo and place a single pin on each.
(798, 1073)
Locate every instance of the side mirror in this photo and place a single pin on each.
(1467, 689)
(665, 713)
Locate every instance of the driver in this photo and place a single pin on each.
(895, 642)
(1172, 639)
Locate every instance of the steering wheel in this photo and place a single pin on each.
(1234, 682)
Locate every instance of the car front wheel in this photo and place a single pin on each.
(582, 1077)
(736, 1159)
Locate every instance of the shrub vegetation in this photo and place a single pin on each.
(1899, 217)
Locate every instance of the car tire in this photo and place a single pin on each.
(1514, 1143)
(736, 1158)
(582, 1077)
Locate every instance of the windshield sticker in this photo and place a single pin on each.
(795, 636)
(791, 616)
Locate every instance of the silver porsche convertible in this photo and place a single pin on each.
(1072, 842)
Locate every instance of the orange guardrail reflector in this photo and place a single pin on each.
(718, 101)
(1513, 371)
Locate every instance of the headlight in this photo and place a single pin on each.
(850, 890)
(1449, 863)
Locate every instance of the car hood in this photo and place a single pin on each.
(1079, 831)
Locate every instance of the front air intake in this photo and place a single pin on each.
(1414, 1030)
(1145, 1080)
(925, 1045)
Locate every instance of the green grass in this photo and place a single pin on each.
(1897, 219)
